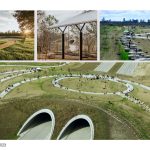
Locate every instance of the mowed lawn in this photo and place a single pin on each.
(19, 51)
(88, 85)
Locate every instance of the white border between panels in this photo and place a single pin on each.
(35, 36)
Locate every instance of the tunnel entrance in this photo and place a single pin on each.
(78, 129)
(38, 127)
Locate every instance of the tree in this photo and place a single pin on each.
(41, 21)
(45, 21)
(25, 20)
(46, 36)
(50, 20)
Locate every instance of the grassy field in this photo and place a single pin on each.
(110, 45)
(2, 41)
(5, 68)
(143, 44)
(17, 79)
(141, 94)
(142, 29)
(21, 102)
(19, 51)
(26, 64)
(89, 85)
(105, 126)
(117, 105)
(82, 67)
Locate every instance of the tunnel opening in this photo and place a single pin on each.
(78, 129)
(37, 120)
(38, 126)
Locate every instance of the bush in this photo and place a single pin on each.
(124, 55)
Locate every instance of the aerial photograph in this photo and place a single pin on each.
(74, 101)
(67, 35)
(16, 35)
(125, 35)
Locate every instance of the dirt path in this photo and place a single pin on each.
(8, 44)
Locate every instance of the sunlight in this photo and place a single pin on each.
(27, 31)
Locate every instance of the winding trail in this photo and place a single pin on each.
(57, 78)
(9, 74)
(55, 83)
(14, 76)
(8, 44)
(128, 90)
(123, 94)
(7, 90)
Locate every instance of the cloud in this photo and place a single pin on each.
(2, 24)
(119, 15)
(7, 21)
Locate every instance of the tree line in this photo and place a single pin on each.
(11, 33)
(125, 22)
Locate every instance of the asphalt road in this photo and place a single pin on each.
(79, 134)
(39, 132)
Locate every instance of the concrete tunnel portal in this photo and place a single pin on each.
(39, 126)
(78, 128)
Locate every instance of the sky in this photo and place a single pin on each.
(63, 15)
(8, 22)
(117, 15)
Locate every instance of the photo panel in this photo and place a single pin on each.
(16, 35)
(74, 101)
(125, 35)
(67, 35)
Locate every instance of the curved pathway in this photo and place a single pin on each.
(123, 94)
(10, 88)
(7, 44)
(17, 75)
(21, 72)
(128, 83)
(55, 82)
